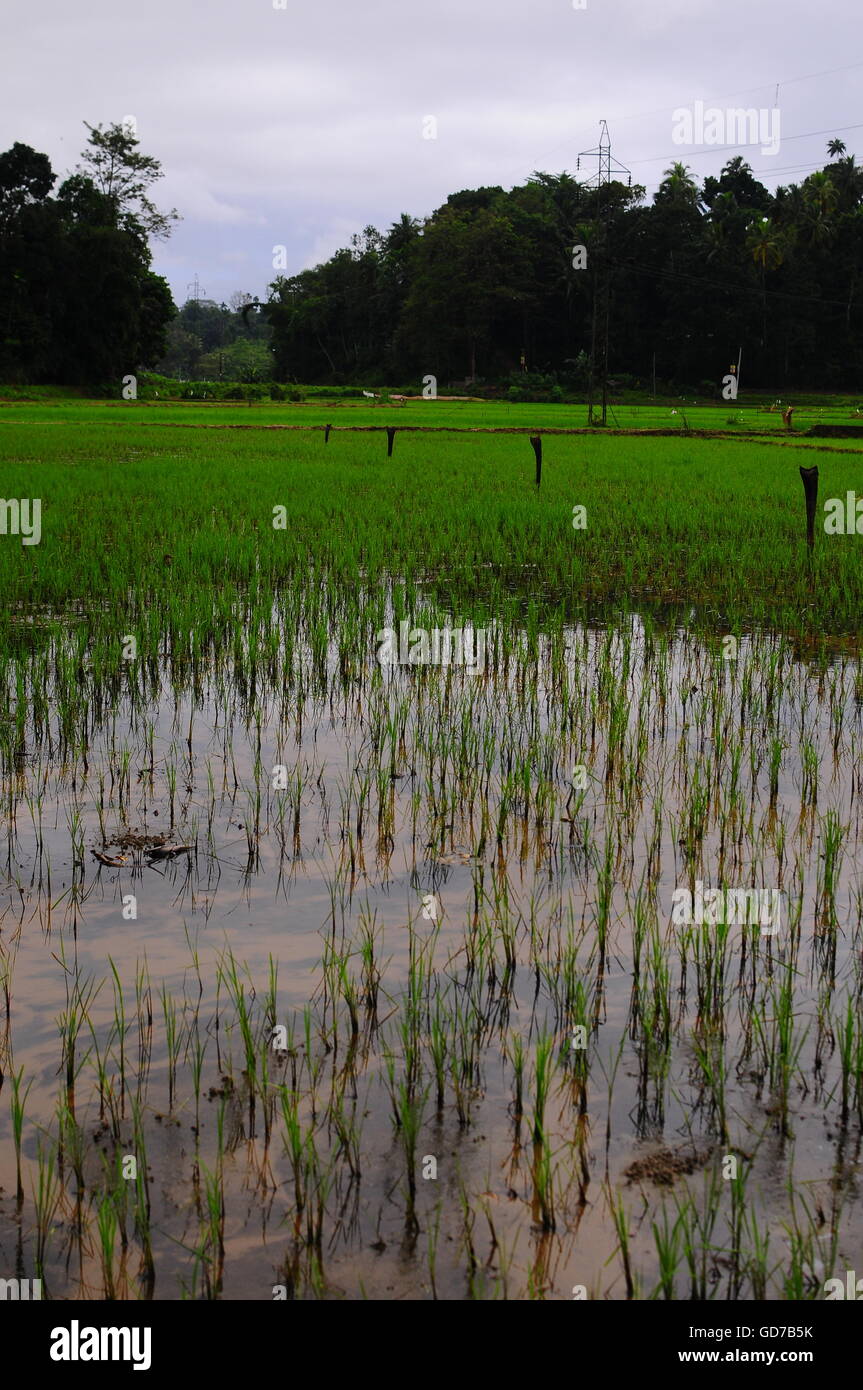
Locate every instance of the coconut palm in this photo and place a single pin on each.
(765, 242)
(820, 197)
(678, 186)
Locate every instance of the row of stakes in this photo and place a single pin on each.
(391, 434)
(535, 440)
(809, 476)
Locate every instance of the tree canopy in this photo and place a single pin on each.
(79, 303)
(696, 273)
(489, 279)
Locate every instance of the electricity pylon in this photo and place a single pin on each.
(601, 262)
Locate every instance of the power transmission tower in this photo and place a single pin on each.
(601, 259)
(196, 291)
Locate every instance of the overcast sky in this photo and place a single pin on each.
(299, 126)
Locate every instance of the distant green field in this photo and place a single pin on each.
(716, 523)
(431, 413)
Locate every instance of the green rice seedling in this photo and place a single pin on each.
(229, 974)
(543, 1069)
(809, 791)
(294, 1141)
(351, 997)
(266, 1094)
(799, 1280)
(698, 1223)
(786, 1045)
(144, 1016)
(78, 1004)
(849, 1034)
(468, 1220)
(543, 1182)
(47, 1194)
(757, 1264)
(832, 836)
(348, 1135)
(271, 996)
(439, 1029)
(621, 1226)
(542, 1174)
(214, 1232)
(516, 1056)
(18, 1105)
(142, 1201)
(668, 1240)
(432, 1242)
(106, 1222)
(736, 1220)
(319, 1184)
(709, 1048)
(173, 1041)
(71, 1152)
(775, 764)
(120, 1030)
(410, 1110)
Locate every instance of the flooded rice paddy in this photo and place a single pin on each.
(382, 983)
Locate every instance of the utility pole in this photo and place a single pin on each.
(601, 259)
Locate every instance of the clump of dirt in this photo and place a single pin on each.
(663, 1166)
(132, 839)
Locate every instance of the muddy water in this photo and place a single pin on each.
(443, 870)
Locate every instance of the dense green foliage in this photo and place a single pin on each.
(78, 301)
(218, 342)
(695, 275)
(487, 288)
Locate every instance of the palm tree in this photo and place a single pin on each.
(835, 147)
(847, 179)
(820, 197)
(767, 245)
(764, 240)
(719, 220)
(678, 186)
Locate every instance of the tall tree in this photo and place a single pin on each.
(113, 162)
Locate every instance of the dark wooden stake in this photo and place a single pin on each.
(391, 434)
(810, 487)
(537, 449)
(327, 429)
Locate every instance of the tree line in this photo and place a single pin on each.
(494, 282)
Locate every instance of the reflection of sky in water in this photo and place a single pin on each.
(285, 906)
